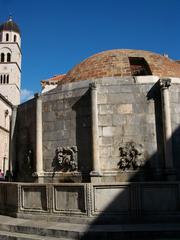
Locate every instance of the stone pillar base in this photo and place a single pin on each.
(38, 176)
(95, 176)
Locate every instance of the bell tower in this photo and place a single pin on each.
(10, 61)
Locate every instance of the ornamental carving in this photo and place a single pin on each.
(165, 83)
(66, 159)
(93, 86)
(131, 156)
(27, 164)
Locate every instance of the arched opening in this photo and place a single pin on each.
(2, 57)
(7, 37)
(1, 79)
(15, 38)
(8, 57)
(4, 79)
(7, 80)
(139, 66)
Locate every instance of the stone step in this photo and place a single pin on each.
(40, 228)
(4, 235)
(35, 229)
(40, 231)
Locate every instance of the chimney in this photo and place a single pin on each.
(165, 55)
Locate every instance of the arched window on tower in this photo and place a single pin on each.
(15, 38)
(8, 57)
(7, 37)
(2, 57)
(7, 79)
(4, 79)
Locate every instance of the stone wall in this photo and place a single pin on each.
(126, 114)
(67, 123)
(175, 120)
(130, 110)
(26, 140)
(4, 150)
(123, 201)
(5, 115)
(130, 118)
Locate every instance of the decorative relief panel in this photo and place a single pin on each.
(66, 159)
(159, 198)
(69, 198)
(131, 156)
(34, 198)
(111, 199)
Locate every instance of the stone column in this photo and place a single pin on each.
(95, 131)
(39, 149)
(167, 129)
(12, 142)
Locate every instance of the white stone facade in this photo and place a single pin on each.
(5, 115)
(13, 37)
(10, 65)
(10, 83)
(48, 88)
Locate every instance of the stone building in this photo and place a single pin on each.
(10, 59)
(113, 117)
(10, 81)
(103, 145)
(101, 141)
(51, 83)
(5, 113)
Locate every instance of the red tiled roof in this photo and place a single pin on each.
(116, 63)
(53, 80)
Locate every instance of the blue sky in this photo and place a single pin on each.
(58, 34)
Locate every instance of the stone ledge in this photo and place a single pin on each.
(58, 174)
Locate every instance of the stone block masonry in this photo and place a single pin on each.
(67, 122)
(124, 110)
(127, 116)
(111, 202)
